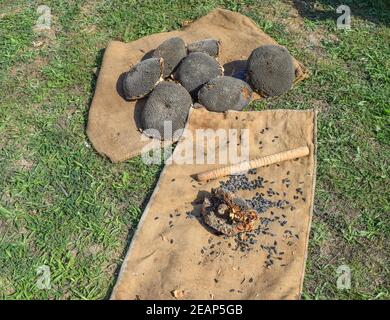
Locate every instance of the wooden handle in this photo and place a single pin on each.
(255, 163)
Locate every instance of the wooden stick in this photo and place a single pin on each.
(252, 164)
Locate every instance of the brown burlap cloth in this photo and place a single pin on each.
(113, 122)
(172, 255)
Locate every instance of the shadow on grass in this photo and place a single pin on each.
(376, 11)
(98, 63)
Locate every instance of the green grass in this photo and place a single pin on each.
(64, 206)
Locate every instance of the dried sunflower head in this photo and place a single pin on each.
(227, 213)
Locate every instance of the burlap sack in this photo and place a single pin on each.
(113, 122)
(173, 256)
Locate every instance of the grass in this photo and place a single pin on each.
(64, 206)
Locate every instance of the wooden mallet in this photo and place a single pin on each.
(254, 163)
